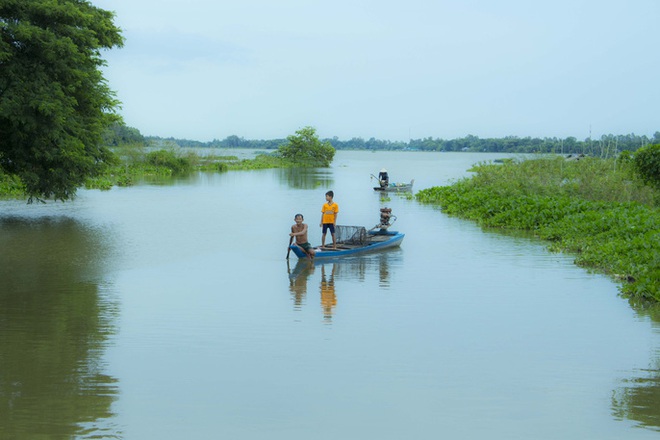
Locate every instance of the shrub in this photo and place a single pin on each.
(647, 164)
(168, 159)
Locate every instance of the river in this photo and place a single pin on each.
(168, 311)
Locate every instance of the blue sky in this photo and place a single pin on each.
(207, 69)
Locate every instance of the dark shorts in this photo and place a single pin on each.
(327, 226)
(306, 246)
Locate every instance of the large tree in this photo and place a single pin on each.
(54, 100)
(306, 149)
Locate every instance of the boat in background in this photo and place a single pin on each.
(396, 187)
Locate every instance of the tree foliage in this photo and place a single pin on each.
(305, 148)
(54, 102)
(647, 164)
(119, 133)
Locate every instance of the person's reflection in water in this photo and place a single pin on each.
(384, 273)
(298, 280)
(328, 296)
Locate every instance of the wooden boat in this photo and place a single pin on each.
(396, 187)
(372, 242)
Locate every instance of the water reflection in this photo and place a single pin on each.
(373, 270)
(328, 295)
(639, 399)
(384, 197)
(54, 326)
(298, 280)
(306, 178)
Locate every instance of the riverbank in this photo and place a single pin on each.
(595, 209)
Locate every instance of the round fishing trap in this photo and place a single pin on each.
(351, 234)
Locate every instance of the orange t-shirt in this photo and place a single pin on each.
(329, 212)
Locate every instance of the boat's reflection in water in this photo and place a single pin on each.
(331, 277)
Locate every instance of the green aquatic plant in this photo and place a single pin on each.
(260, 162)
(170, 160)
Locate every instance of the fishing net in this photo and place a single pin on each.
(351, 234)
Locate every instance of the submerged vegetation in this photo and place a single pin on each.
(135, 164)
(601, 210)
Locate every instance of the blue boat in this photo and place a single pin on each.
(361, 242)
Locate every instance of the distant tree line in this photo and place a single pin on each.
(228, 142)
(606, 146)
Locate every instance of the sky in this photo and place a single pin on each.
(391, 70)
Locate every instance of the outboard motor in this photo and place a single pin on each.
(386, 219)
(385, 215)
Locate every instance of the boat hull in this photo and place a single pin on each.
(396, 187)
(377, 241)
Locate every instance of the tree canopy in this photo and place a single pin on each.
(119, 133)
(305, 148)
(54, 101)
(647, 164)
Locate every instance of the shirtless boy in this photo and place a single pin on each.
(299, 231)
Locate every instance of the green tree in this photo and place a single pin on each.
(305, 148)
(54, 102)
(233, 141)
(119, 133)
(647, 164)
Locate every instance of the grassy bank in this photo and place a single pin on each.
(593, 208)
